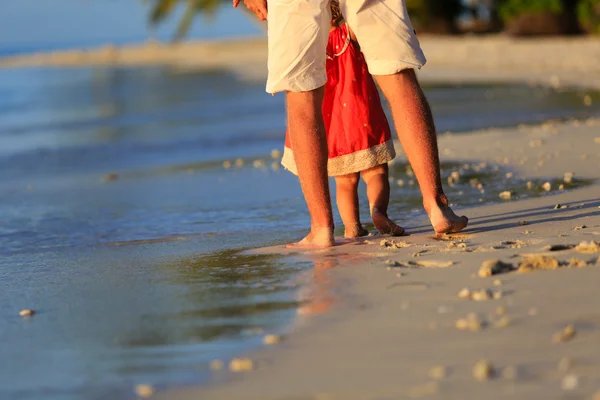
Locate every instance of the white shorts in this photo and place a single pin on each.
(298, 32)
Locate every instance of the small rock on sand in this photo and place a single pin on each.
(464, 294)
(392, 263)
(494, 267)
(568, 177)
(144, 390)
(27, 312)
(483, 370)
(481, 295)
(570, 382)
(506, 195)
(502, 322)
(522, 223)
(275, 153)
(547, 186)
(579, 227)
(241, 365)
(438, 372)
(568, 333)
(271, 339)
(471, 323)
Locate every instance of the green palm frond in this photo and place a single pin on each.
(161, 9)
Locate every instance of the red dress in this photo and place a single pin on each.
(358, 133)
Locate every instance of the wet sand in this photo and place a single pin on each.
(390, 330)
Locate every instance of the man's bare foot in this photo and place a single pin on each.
(354, 231)
(444, 220)
(384, 225)
(318, 238)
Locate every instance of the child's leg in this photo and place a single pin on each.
(346, 194)
(378, 192)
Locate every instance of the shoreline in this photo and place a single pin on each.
(554, 61)
(357, 350)
(387, 327)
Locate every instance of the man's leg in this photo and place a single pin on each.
(416, 131)
(307, 135)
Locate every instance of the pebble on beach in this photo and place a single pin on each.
(241, 365)
(567, 334)
(506, 195)
(438, 372)
(471, 323)
(271, 339)
(275, 153)
(27, 312)
(570, 382)
(483, 370)
(547, 186)
(494, 267)
(144, 390)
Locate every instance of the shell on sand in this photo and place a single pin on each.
(568, 333)
(570, 382)
(483, 370)
(144, 390)
(438, 372)
(27, 312)
(241, 364)
(271, 339)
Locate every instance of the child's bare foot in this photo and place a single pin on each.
(384, 225)
(317, 238)
(443, 219)
(354, 231)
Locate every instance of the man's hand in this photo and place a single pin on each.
(258, 7)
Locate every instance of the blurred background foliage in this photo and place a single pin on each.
(515, 17)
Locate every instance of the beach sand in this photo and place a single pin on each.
(557, 61)
(391, 331)
(381, 322)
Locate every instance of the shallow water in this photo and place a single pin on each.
(143, 278)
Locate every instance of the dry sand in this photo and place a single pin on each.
(375, 328)
(498, 58)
